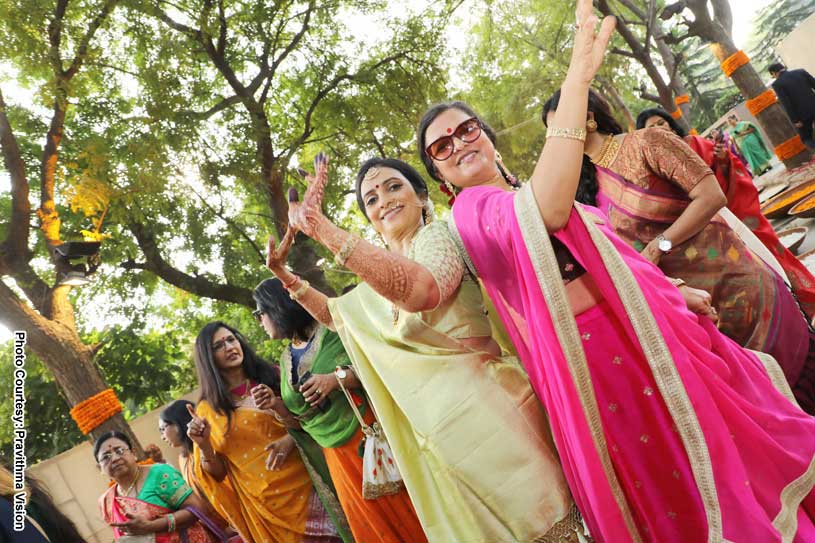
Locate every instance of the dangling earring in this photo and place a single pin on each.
(428, 212)
(591, 125)
(447, 188)
(381, 240)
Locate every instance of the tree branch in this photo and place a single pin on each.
(15, 246)
(623, 53)
(200, 286)
(94, 25)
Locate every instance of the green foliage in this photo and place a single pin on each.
(772, 24)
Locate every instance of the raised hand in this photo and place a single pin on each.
(276, 257)
(305, 215)
(264, 397)
(589, 44)
(198, 429)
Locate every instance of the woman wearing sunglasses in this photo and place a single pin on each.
(667, 430)
(467, 433)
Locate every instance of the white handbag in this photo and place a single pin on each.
(380, 476)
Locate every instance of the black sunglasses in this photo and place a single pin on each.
(257, 313)
(442, 148)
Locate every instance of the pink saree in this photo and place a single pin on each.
(115, 508)
(668, 431)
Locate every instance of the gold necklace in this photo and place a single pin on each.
(133, 485)
(608, 152)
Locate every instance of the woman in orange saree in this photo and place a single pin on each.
(270, 496)
(742, 199)
(662, 199)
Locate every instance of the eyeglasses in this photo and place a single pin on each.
(468, 132)
(115, 451)
(258, 314)
(218, 345)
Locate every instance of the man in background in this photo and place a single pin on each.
(796, 91)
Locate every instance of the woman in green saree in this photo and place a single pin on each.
(311, 368)
(749, 140)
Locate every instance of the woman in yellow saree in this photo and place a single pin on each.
(466, 430)
(270, 496)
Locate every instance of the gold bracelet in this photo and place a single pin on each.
(568, 133)
(345, 251)
(676, 281)
(304, 286)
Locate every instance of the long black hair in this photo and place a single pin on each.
(213, 387)
(176, 414)
(430, 116)
(410, 173)
(288, 316)
(606, 124)
(644, 115)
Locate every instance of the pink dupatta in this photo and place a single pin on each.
(749, 448)
(115, 508)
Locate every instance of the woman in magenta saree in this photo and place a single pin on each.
(668, 431)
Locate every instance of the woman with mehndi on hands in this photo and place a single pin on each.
(667, 430)
(465, 428)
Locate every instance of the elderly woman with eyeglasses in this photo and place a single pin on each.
(151, 503)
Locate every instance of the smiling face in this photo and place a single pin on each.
(170, 433)
(391, 204)
(470, 164)
(226, 349)
(115, 458)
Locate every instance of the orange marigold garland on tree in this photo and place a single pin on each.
(761, 102)
(734, 62)
(682, 99)
(91, 412)
(677, 114)
(790, 148)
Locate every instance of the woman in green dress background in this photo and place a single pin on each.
(749, 140)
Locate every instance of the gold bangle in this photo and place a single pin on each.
(676, 281)
(567, 133)
(345, 251)
(304, 286)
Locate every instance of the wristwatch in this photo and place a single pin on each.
(341, 372)
(664, 244)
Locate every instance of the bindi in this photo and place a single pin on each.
(449, 130)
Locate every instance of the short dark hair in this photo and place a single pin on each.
(213, 388)
(430, 116)
(113, 434)
(410, 173)
(776, 67)
(646, 114)
(288, 316)
(176, 414)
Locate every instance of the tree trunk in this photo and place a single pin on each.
(774, 119)
(669, 60)
(66, 357)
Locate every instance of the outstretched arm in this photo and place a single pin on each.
(312, 300)
(557, 172)
(408, 284)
